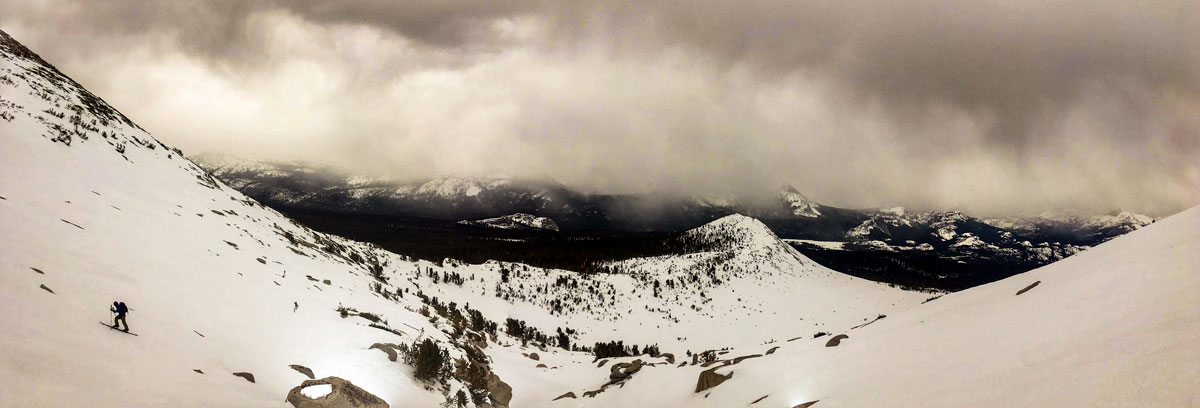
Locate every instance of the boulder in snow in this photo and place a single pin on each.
(388, 348)
(709, 378)
(342, 394)
(836, 340)
(620, 371)
(303, 370)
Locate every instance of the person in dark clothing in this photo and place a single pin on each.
(120, 309)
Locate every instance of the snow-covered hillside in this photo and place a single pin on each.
(515, 221)
(1115, 326)
(94, 210)
(718, 295)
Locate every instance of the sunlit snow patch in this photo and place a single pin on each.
(316, 391)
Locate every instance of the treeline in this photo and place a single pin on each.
(619, 349)
(465, 318)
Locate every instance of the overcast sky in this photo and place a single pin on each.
(991, 107)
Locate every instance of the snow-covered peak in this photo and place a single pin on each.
(748, 242)
(799, 204)
(734, 229)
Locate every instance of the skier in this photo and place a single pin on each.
(120, 309)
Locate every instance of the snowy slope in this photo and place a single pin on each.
(1115, 326)
(94, 210)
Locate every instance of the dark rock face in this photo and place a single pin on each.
(343, 395)
(501, 392)
(248, 376)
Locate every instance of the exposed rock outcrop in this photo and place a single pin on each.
(836, 340)
(388, 348)
(343, 395)
(620, 371)
(303, 370)
(709, 378)
(501, 392)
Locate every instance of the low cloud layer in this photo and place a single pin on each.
(984, 106)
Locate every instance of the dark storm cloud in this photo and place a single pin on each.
(217, 27)
(435, 22)
(991, 106)
(1014, 60)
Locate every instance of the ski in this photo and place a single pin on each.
(115, 329)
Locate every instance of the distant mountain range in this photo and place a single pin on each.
(944, 244)
(790, 214)
(941, 250)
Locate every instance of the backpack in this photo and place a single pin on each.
(121, 309)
